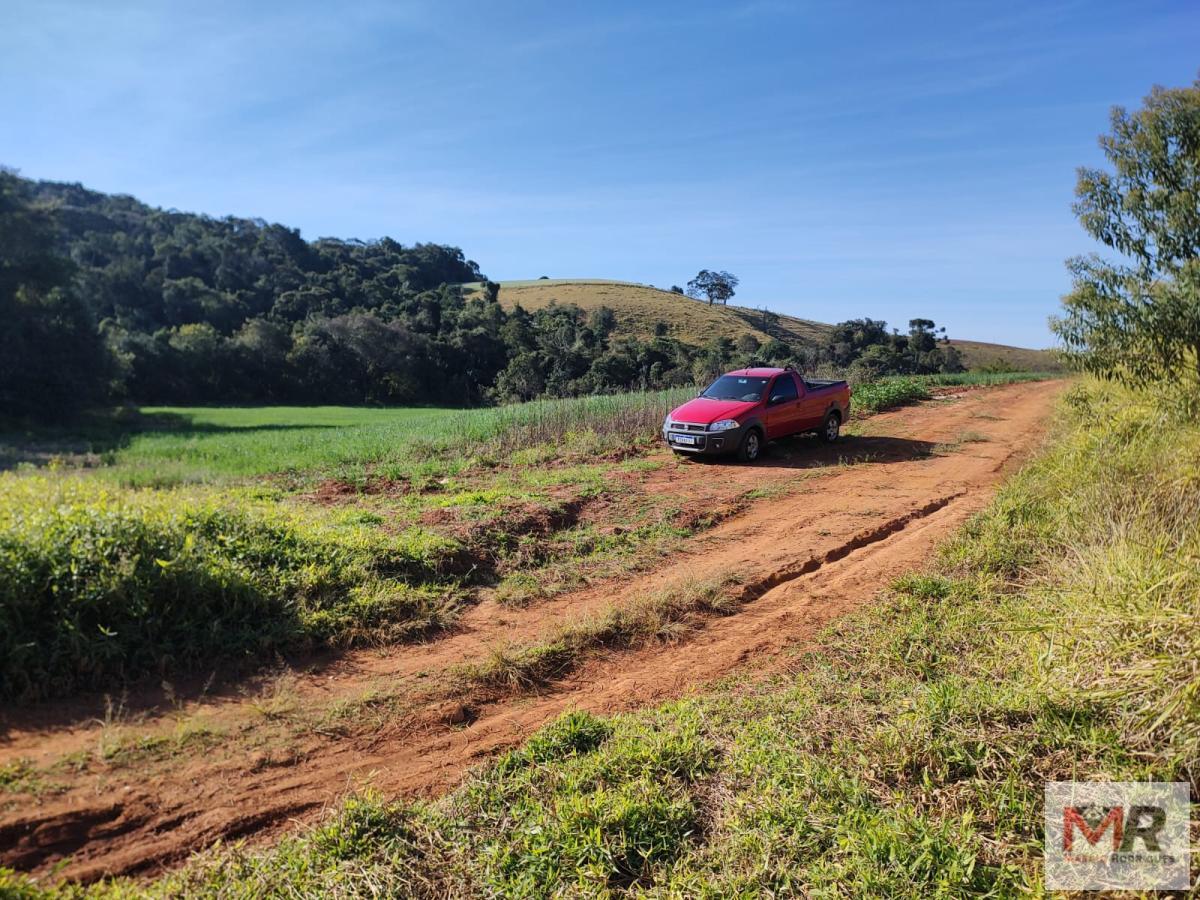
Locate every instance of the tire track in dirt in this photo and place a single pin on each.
(799, 571)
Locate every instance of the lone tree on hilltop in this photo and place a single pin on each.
(713, 285)
(1138, 321)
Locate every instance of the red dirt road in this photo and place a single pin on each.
(833, 537)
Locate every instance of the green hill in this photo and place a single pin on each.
(638, 307)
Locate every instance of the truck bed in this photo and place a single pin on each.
(819, 385)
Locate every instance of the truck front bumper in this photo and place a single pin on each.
(703, 443)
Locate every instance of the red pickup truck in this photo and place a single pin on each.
(742, 410)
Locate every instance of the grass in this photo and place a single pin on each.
(1052, 639)
(657, 618)
(904, 390)
(985, 379)
(638, 307)
(981, 355)
(21, 777)
(103, 582)
(188, 445)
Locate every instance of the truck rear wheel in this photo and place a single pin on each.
(832, 427)
(751, 446)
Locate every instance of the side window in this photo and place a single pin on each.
(784, 389)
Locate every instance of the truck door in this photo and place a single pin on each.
(783, 407)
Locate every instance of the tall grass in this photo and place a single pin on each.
(178, 445)
(610, 418)
(1055, 638)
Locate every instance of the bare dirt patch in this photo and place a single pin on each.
(823, 529)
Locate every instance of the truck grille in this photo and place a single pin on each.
(686, 426)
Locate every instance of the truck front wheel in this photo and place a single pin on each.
(751, 446)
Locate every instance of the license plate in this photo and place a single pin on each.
(683, 439)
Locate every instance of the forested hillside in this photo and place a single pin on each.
(108, 300)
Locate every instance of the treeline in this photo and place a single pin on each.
(868, 350)
(105, 299)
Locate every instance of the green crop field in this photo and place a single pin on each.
(164, 446)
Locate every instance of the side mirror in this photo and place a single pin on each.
(775, 398)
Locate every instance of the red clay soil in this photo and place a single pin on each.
(835, 536)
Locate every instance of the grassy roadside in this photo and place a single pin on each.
(1053, 638)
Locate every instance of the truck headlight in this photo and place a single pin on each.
(725, 425)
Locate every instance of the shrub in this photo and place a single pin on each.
(99, 584)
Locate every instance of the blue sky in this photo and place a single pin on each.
(844, 159)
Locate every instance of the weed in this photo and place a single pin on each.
(659, 617)
(21, 777)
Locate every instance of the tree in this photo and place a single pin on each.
(676, 289)
(1138, 320)
(923, 335)
(748, 344)
(52, 359)
(769, 321)
(713, 285)
(847, 340)
(603, 321)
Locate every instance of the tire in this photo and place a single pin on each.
(750, 449)
(831, 428)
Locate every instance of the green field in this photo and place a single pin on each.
(165, 446)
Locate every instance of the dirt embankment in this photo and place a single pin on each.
(833, 527)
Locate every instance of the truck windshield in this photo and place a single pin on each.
(736, 387)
